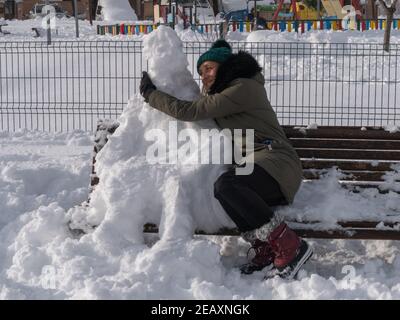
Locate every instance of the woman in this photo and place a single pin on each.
(235, 97)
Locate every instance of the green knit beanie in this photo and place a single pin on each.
(219, 52)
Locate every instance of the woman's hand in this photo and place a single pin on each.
(146, 86)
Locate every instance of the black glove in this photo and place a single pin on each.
(146, 86)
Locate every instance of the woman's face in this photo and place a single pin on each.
(208, 72)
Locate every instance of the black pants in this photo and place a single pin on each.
(248, 199)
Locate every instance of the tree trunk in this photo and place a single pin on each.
(214, 6)
(372, 11)
(389, 20)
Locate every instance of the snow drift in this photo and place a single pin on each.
(117, 10)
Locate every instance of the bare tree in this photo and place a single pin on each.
(389, 10)
(214, 5)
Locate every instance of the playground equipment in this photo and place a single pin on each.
(238, 15)
(285, 21)
(266, 11)
(281, 5)
(305, 12)
(334, 8)
(300, 11)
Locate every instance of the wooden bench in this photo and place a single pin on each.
(364, 155)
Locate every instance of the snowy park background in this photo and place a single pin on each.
(44, 177)
(332, 78)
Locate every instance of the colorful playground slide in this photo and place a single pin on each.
(333, 8)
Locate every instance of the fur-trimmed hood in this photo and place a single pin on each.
(239, 65)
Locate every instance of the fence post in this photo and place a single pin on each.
(296, 26)
(282, 26)
(221, 30)
(48, 25)
(248, 26)
(76, 19)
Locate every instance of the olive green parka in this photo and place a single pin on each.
(239, 101)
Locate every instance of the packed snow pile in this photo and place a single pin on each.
(319, 36)
(117, 10)
(177, 193)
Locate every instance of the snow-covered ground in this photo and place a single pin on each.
(44, 178)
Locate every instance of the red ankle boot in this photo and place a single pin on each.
(263, 257)
(290, 251)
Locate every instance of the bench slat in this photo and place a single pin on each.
(341, 133)
(355, 186)
(352, 175)
(346, 143)
(347, 165)
(304, 231)
(355, 234)
(348, 154)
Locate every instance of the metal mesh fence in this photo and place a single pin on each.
(70, 84)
